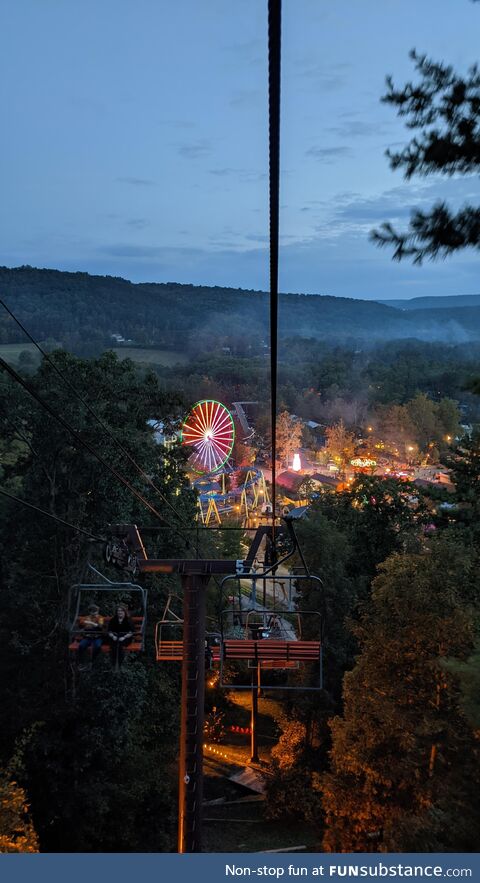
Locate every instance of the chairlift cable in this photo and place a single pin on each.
(104, 426)
(8, 368)
(87, 533)
(274, 67)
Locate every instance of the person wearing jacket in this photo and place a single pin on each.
(92, 638)
(120, 633)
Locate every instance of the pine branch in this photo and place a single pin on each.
(450, 102)
(434, 234)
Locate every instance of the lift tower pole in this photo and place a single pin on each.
(190, 767)
(254, 758)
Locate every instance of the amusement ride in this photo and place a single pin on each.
(223, 489)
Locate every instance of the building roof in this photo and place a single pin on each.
(291, 481)
(322, 478)
(298, 512)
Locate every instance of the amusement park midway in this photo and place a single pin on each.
(230, 469)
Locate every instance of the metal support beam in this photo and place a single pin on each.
(199, 566)
(190, 787)
(254, 716)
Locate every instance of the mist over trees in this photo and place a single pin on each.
(87, 314)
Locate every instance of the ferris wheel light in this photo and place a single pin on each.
(210, 432)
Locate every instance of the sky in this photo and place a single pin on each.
(135, 141)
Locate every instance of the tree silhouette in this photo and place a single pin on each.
(444, 107)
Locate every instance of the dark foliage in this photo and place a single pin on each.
(96, 748)
(445, 109)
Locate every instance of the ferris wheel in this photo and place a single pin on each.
(210, 431)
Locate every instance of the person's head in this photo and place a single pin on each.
(94, 610)
(121, 612)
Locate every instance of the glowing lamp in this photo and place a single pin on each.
(296, 465)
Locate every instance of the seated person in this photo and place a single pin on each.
(92, 635)
(275, 626)
(259, 631)
(120, 633)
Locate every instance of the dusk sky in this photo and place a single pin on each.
(135, 140)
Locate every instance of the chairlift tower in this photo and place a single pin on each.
(195, 575)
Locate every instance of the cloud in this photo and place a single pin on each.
(256, 237)
(327, 77)
(396, 204)
(244, 175)
(224, 172)
(393, 204)
(328, 154)
(124, 250)
(348, 266)
(354, 268)
(137, 182)
(138, 223)
(358, 129)
(194, 150)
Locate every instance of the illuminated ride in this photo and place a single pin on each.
(243, 498)
(209, 431)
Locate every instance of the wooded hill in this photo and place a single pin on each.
(447, 301)
(82, 312)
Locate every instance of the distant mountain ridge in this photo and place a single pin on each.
(84, 313)
(434, 302)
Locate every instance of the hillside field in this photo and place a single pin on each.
(151, 356)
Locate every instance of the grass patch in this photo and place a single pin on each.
(151, 356)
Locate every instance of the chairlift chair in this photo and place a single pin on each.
(98, 593)
(169, 638)
(270, 639)
(169, 635)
